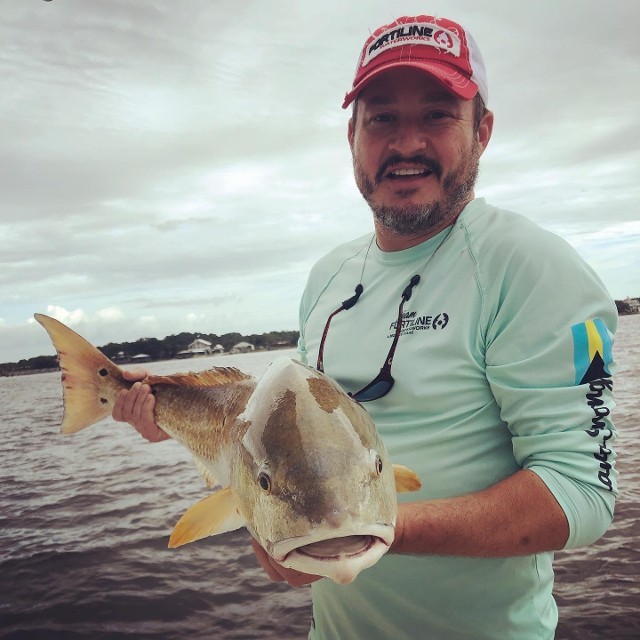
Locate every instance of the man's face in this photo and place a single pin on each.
(415, 152)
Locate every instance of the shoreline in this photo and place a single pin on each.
(27, 372)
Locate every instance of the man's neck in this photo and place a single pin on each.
(389, 241)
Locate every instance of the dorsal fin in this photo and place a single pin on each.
(214, 377)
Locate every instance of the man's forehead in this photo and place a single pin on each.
(396, 84)
(382, 98)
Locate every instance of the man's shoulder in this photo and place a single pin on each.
(331, 264)
(483, 217)
(340, 254)
(491, 230)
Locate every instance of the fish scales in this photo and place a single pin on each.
(203, 420)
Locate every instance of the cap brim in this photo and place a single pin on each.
(450, 78)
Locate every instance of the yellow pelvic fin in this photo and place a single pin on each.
(90, 380)
(406, 479)
(216, 514)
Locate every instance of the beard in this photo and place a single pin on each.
(416, 219)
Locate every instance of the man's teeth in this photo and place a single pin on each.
(409, 172)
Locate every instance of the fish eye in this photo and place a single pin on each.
(264, 481)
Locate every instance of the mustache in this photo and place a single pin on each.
(428, 163)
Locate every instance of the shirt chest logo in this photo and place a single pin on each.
(412, 321)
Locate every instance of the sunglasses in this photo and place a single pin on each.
(383, 382)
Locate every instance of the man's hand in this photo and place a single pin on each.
(278, 573)
(136, 405)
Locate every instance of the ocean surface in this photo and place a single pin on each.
(85, 520)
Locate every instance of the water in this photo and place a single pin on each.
(84, 526)
(85, 520)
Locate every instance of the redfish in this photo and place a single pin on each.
(296, 460)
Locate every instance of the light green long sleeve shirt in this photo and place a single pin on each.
(504, 363)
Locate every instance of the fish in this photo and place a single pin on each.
(292, 456)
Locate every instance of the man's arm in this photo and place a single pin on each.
(516, 516)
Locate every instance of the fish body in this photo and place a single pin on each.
(297, 461)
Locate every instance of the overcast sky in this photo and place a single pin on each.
(179, 165)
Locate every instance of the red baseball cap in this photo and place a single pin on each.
(437, 46)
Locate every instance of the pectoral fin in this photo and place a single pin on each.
(216, 514)
(406, 479)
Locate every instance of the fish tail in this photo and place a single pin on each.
(90, 380)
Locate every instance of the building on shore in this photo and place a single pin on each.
(200, 347)
(242, 347)
(141, 357)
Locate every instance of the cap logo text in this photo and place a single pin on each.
(399, 36)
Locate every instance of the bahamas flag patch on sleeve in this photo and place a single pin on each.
(592, 351)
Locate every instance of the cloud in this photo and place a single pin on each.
(180, 166)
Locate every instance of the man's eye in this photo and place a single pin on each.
(437, 115)
(382, 117)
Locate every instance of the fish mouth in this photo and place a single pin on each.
(334, 549)
(339, 557)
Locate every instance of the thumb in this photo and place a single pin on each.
(135, 374)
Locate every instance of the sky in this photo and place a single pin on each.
(179, 166)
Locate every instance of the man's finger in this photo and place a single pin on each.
(278, 573)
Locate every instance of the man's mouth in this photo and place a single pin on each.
(396, 174)
(414, 168)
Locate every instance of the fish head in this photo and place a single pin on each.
(312, 476)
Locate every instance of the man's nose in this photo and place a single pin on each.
(409, 138)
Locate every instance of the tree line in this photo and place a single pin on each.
(165, 349)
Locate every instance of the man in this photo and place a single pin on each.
(494, 340)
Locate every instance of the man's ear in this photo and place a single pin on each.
(350, 132)
(485, 129)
